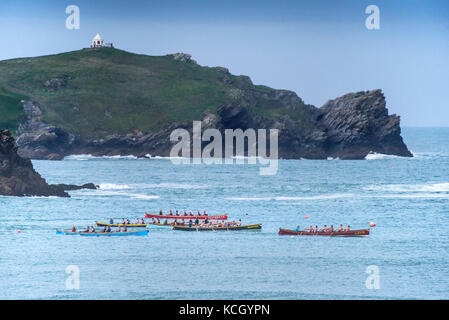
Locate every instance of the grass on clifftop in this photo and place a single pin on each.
(106, 91)
(11, 110)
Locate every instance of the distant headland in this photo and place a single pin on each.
(108, 101)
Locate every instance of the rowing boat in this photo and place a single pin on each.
(234, 228)
(350, 233)
(167, 216)
(131, 225)
(99, 234)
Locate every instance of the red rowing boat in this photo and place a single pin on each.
(166, 216)
(350, 233)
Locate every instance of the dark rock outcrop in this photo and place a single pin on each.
(55, 84)
(38, 140)
(348, 127)
(358, 123)
(18, 177)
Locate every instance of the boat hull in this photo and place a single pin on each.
(104, 234)
(235, 228)
(351, 233)
(170, 224)
(164, 216)
(131, 225)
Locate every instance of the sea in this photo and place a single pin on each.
(404, 257)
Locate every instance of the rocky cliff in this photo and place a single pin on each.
(348, 127)
(18, 177)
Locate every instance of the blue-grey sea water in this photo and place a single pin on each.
(407, 198)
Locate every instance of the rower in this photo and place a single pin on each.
(123, 221)
(177, 213)
(160, 212)
(341, 228)
(92, 229)
(165, 222)
(240, 222)
(87, 229)
(310, 228)
(190, 213)
(198, 212)
(142, 221)
(205, 213)
(332, 228)
(108, 229)
(138, 220)
(111, 221)
(233, 223)
(324, 228)
(347, 229)
(197, 221)
(119, 228)
(185, 213)
(125, 228)
(127, 221)
(104, 229)
(171, 213)
(73, 228)
(297, 228)
(315, 229)
(190, 223)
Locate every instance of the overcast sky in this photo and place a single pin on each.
(319, 49)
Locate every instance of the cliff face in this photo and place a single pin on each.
(113, 102)
(358, 123)
(18, 178)
(348, 127)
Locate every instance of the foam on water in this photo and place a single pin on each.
(293, 198)
(84, 157)
(113, 186)
(107, 193)
(379, 156)
(430, 187)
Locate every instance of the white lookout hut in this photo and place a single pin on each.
(97, 42)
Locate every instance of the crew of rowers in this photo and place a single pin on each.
(324, 229)
(127, 221)
(106, 229)
(123, 228)
(203, 223)
(177, 214)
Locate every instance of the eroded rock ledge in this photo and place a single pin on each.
(18, 177)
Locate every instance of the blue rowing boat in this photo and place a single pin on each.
(104, 234)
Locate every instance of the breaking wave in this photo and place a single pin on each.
(164, 185)
(106, 193)
(379, 156)
(431, 187)
(112, 186)
(84, 157)
(289, 198)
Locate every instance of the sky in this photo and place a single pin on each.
(320, 49)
